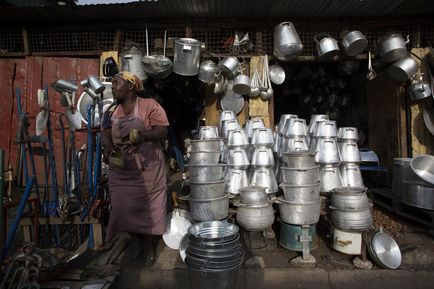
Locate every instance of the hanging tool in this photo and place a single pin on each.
(63, 199)
(20, 140)
(89, 147)
(25, 139)
(2, 183)
(42, 117)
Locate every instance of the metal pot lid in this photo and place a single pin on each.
(176, 229)
(277, 74)
(384, 249)
(428, 113)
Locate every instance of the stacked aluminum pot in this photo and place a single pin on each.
(300, 206)
(255, 212)
(237, 161)
(350, 214)
(213, 255)
(324, 142)
(262, 157)
(235, 144)
(207, 200)
(351, 175)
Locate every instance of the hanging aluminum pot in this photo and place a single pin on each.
(392, 48)
(241, 84)
(287, 43)
(419, 90)
(207, 71)
(186, 56)
(229, 66)
(354, 42)
(327, 47)
(131, 61)
(403, 69)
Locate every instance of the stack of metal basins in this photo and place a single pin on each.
(255, 211)
(350, 214)
(351, 175)
(294, 138)
(237, 161)
(262, 161)
(207, 200)
(251, 125)
(324, 143)
(213, 255)
(300, 205)
(279, 134)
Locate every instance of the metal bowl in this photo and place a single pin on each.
(385, 250)
(423, 167)
(213, 231)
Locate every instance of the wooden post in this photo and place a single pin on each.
(257, 106)
(117, 40)
(422, 142)
(26, 42)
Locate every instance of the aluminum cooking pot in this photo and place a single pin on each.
(207, 71)
(131, 61)
(392, 48)
(229, 66)
(241, 84)
(403, 69)
(354, 42)
(186, 56)
(287, 43)
(419, 90)
(327, 47)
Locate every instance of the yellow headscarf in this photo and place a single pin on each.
(132, 78)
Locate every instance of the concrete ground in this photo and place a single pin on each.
(269, 267)
(267, 264)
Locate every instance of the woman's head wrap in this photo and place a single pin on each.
(131, 78)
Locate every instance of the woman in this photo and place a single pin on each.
(137, 171)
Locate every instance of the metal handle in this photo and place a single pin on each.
(186, 49)
(175, 199)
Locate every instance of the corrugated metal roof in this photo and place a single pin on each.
(234, 9)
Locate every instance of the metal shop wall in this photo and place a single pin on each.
(30, 74)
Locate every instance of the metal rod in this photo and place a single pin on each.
(19, 213)
(2, 185)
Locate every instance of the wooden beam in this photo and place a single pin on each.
(422, 142)
(26, 42)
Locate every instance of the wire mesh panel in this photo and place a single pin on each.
(71, 41)
(243, 40)
(11, 41)
(137, 38)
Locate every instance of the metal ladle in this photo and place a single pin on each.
(254, 90)
(371, 74)
(270, 91)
